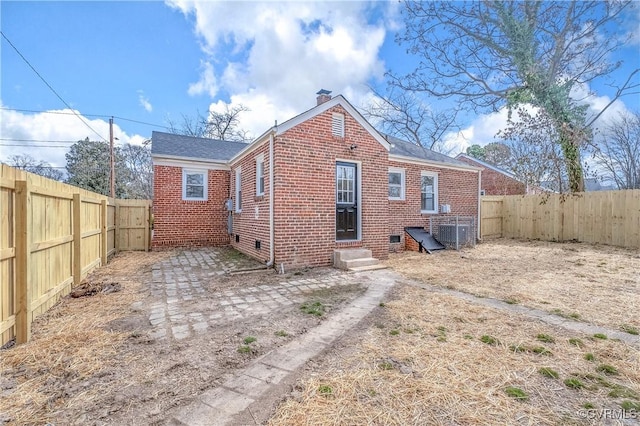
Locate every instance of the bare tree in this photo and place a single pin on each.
(404, 115)
(489, 55)
(28, 163)
(618, 151)
(497, 153)
(138, 182)
(216, 125)
(534, 158)
(190, 126)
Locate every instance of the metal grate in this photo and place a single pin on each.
(453, 231)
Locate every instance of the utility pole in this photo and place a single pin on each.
(112, 162)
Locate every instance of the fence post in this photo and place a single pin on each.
(77, 240)
(147, 218)
(23, 254)
(103, 233)
(116, 235)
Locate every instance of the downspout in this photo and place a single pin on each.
(271, 200)
(479, 202)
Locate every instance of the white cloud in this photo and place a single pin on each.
(274, 57)
(144, 101)
(207, 83)
(37, 134)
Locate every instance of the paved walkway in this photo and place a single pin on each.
(178, 280)
(234, 398)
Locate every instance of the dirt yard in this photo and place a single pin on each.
(432, 358)
(90, 362)
(596, 284)
(422, 357)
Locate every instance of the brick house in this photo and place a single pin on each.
(334, 180)
(495, 181)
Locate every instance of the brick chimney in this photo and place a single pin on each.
(323, 96)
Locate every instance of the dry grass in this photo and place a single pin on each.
(436, 370)
(71, 353)
(436, 359)
(597, 284)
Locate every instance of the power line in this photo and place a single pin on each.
(26, 145)
(34, 140)
(86, 115)
(49, 86)
(141, 122)
(53, 112)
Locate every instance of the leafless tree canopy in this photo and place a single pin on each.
(28, 163)
(216, 125)
(490, 54)
(404, 115)
(619, 151)
(534, 158)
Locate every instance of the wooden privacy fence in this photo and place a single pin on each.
(606, 217)
(51, 236)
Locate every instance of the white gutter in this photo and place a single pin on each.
(271, 200)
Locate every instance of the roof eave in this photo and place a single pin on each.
(441, 164)
(489, 166)
(189, 159)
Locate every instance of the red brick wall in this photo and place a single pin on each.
(253, 222)
(495, 183)
(457, 188)
(179, 223)
(409, 243)
(305, 209)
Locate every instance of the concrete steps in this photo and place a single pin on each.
(355, 259)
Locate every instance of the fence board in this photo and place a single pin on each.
(51, 236)
(605, 217)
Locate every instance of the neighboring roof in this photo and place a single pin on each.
(489, 166)
(170, 145)
(408, 149)
(592, 184)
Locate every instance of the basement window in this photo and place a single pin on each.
(394, 239)
(337, 125)
(194, 185)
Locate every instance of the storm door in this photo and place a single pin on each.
(346, 201)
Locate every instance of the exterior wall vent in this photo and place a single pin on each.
(337, 125)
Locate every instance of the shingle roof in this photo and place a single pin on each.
(407, 149)
(192, 147)
(488, 165)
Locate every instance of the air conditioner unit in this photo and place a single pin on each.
(447, 233)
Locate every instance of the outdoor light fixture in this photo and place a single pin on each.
(353, 146)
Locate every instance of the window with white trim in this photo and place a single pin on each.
(238, 190)
(429, 192)
(337, 125)
(396, 183)
(260, 175)
(194, 185)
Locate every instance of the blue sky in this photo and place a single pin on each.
(152, 62)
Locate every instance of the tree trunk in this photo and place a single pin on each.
(570, 143)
